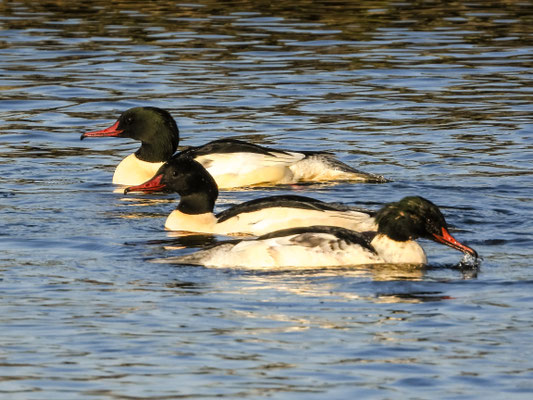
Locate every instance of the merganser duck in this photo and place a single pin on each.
(399, 224)
(233, 163)
(198, 193)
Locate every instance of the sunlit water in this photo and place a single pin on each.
(434, 96)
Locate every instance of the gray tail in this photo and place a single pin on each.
(330, 161)
(198, 257)
(189, 259)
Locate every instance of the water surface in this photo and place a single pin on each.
(436, 96)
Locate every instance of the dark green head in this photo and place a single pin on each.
(415, 217)
(187, 177)
(410, 218)
(154, 127)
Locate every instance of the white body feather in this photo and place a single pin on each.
(304, 250)
(132, 171)
(240, 169)
(246, 169)
(268, 220)
(232, 170)
(287, 251)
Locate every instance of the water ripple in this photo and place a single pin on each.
(434, 96)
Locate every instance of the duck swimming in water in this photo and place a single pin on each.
(399, 224)
(198, 193)
(233, 163)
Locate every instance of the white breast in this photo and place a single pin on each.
(178, 221)
(132, 171)
(391, 251)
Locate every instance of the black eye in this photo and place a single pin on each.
(174, 173)
(129, 120)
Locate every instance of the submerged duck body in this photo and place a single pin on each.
(198, 193)
(398, 226)
(304, 247)
(233, 163)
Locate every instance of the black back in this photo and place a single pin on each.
(229, 146)
(290, 201)
(348, 236)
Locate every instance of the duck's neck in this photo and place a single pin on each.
(160, 151)
(197, 203)
(398, 252)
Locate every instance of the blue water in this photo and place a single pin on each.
(436, 96)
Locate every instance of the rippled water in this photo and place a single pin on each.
(433, 95)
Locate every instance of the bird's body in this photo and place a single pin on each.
(198, 193)
(315, 246)
(399, 224)
(233, 163)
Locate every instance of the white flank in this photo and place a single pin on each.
(246, 169)
(294, 251)
(268, 220)
(276, 218)
(304, 250)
